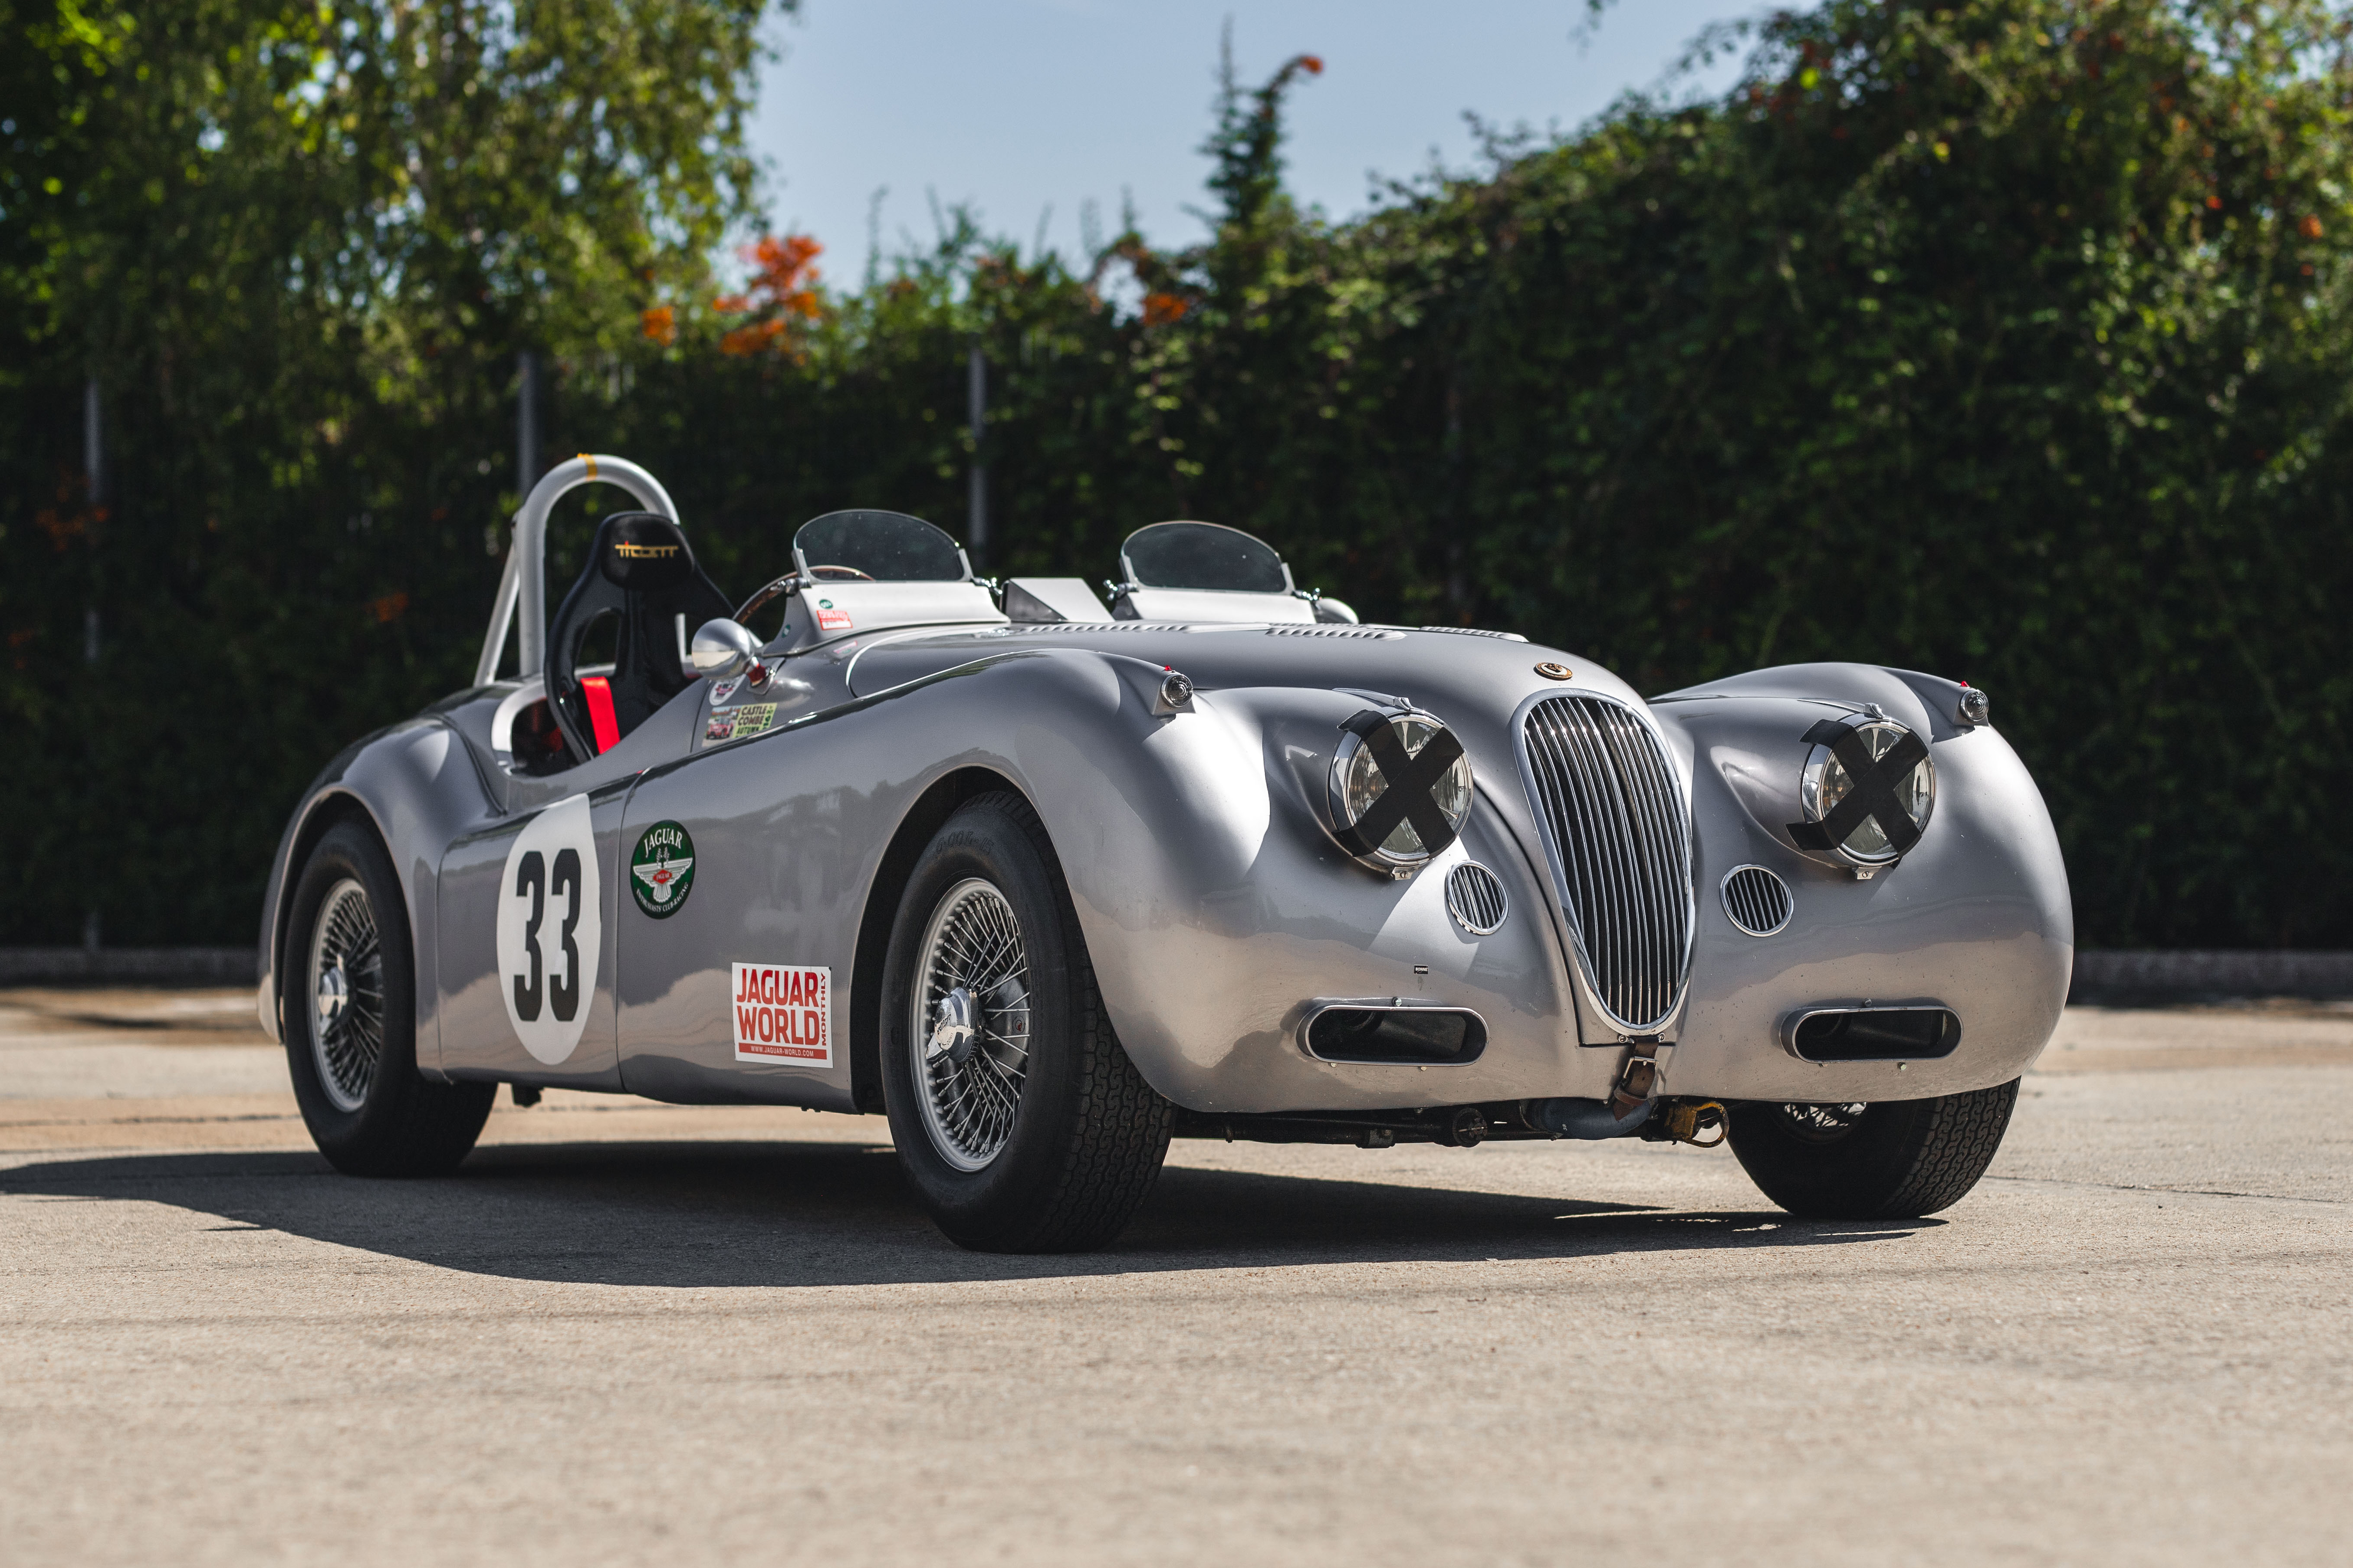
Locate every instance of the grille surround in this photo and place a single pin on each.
(1617, 830)
(1476, 899)
(1757, 901)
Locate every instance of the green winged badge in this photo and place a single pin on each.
(662, 870)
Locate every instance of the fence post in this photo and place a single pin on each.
(94, 464)
(977, 507)
(526, 421)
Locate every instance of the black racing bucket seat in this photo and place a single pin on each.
(642, 570)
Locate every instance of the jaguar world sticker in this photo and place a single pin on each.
(661, 869)
(784, 1013)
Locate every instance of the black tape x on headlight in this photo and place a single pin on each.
(1867, 791)
(1400, 787)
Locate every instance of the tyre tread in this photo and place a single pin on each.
(1963, 1133)
(1124, 1125)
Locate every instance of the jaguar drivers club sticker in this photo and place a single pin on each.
(661, 869)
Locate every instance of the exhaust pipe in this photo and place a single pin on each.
(1590, 1118)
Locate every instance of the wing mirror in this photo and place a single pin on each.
(724, 649)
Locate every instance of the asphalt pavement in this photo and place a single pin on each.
(630, 1333)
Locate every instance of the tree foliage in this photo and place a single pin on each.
(2003, 338)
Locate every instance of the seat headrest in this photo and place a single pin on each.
(643, 553)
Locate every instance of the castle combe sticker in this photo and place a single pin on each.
(784, 1015)
(661, 869)
(740, 724)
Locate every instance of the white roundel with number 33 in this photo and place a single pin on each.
(551, 929)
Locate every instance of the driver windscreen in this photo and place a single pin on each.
(888, 546)
(1202, 555)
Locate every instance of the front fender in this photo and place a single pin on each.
(1976, 917)
(1216, 906)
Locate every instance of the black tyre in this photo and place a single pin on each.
(1017, 1115)
(348, 984)
(1897, 1160)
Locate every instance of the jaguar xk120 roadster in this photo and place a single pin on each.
(1049, 878)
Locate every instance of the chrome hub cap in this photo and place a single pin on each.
(970, 1029)
(334, 993)
(346, 977)
(953, 1033)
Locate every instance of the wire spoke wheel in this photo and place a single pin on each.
(345, 994)
(1823, 1124)
(970, 1031)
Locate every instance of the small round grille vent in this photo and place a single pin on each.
(1475, 895)
(1756, 900)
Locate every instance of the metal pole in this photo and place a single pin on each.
(526, 422)
(977, 513)
(93, 468)
(94, 464)
(93, 448)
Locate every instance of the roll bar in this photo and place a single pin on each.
(525, 579)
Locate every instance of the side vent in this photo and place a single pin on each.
(1757, 901)
(1475, 898)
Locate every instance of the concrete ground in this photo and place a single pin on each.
(630, 1333)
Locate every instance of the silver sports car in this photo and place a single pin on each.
(1049, 878)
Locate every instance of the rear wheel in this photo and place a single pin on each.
(1017, 1115)
(349, 984)
(1898, 1160)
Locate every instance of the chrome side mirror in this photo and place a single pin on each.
(724, 649)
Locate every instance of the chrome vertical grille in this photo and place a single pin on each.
(1621, 838)
(1476, 896)
(1756, 900)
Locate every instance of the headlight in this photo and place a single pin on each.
(1400, 788)
(1867, 791)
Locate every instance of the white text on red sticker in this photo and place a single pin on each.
(784, 1013)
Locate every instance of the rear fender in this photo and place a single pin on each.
(418, 787)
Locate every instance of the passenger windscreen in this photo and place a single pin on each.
(1202, 555)
(880, 546)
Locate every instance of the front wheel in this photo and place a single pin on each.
(1897, 1160)
(1017, 1115)
(348, 979)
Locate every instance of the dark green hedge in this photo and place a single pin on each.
(2001, 340)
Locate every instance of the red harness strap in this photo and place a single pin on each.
(599, 689)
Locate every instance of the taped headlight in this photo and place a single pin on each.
(1867, 791)
(1400, 788)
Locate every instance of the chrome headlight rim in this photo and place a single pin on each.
(1404, 848)
(1882, 734)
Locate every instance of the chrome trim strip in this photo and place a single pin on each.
(502, 718)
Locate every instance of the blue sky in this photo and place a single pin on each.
(1028, 108)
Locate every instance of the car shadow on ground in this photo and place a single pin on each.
(781, 1215)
